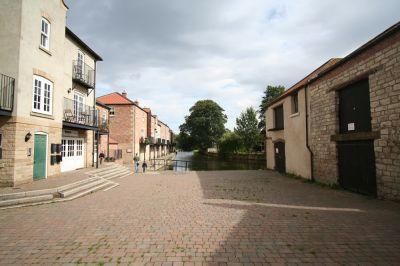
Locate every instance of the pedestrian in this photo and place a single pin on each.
(144, 166)
(101, 156)
(136, 160)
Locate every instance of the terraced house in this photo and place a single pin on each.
(135, 128)
(47, 95)
(341, 124)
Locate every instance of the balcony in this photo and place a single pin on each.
(79, 115)
(83, 74)
(103, 125)
(7, 85)
(159, 141)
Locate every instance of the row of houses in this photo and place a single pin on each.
(49, 120)
(341, 123)
(132, 129)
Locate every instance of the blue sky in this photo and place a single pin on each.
(169, 54)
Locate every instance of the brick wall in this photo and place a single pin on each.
(382, 62)
(121, 130)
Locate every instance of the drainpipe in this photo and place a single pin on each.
(134, 132)
(307, 143)
(95, 133)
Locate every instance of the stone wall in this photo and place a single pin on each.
(381, 65)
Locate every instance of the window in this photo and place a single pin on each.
(112, 111)
(45, 34)
(80, 65)
(278, 116)
(63, 149)
(79, 145)
(71, 151)
(79, 107)
(295, 103)
(42, 95)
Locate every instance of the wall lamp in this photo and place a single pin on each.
(28, 136)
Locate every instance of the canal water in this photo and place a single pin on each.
(196, 162)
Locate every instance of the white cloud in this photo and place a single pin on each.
(169, 54)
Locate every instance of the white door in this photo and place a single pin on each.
(81, 65)
(72, 154)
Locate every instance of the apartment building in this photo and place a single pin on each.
(136, 129)
(351, 125)
(48, 117)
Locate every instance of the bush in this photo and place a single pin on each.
(229, 144)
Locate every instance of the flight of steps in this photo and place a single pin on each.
(99, 179)
(111, 172)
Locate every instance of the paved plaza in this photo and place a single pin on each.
(205, 218)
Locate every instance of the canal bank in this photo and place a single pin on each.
(192, 161)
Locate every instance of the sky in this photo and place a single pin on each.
(168, 54)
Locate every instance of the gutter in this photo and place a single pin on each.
(307, 143)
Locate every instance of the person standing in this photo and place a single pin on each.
(144, 166)
(136, 163)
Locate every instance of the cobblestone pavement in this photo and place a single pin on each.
(225, 217)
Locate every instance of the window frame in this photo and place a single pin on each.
(112, 111)
(295, 103)
(46, 46)
(276, 125)
(42, 95)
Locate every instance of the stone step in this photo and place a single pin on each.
(33, 193)
(99, 170)
(105, 172)
(85, 192)
(75, 190)
(26, 200)
(77, 184)
(117, 174)
(117, 171)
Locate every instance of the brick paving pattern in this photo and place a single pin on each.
(205, 218)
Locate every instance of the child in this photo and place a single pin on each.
(144, 166)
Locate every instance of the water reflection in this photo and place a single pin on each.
(196, 162)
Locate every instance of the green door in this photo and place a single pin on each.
(39, 157)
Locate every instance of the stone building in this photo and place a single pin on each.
(47, 103)
(353, 121)
(286, 129)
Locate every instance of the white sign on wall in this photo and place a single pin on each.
(351, 127)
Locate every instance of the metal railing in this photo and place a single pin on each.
(103, 124)
(79, 113)
(83, 73)
(7, 86)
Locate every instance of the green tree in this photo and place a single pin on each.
(229, 143)
(183, 141)
(270, 93)
(205, 124)
(247, 128)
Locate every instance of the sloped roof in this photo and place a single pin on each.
(73, 36)
(114, 98)
(297, 86)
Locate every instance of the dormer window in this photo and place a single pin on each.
(45, 34)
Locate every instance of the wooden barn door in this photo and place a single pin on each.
(356, 157)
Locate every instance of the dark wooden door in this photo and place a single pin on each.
(354, 108)
(280, 161)
(357, 166)
(356, 157)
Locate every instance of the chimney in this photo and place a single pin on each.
(124, 94)
(136, 102)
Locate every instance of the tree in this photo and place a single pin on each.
(205, 124)
(229, 143)
(183, 141)
(247, 128)
(270, 93)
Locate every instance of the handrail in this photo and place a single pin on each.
(83, 73)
